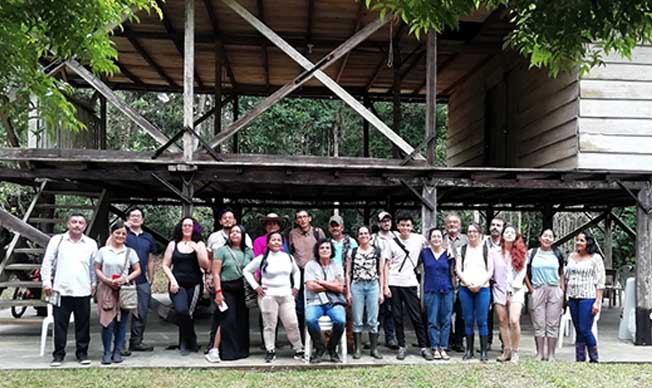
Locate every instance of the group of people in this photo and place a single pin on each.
(374, 280)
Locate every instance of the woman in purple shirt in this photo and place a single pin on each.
(438, 266)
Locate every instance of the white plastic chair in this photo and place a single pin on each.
(325, 324)
(49, 320)
(566, 327)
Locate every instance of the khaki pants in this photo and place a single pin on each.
(546, 309)
(274, 307)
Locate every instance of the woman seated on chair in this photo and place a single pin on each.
(585, 278)
(324, 296)
(279, 284)
(112, 265)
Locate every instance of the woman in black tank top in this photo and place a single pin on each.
(183, 261)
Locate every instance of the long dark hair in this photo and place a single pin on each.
(315, 249)
(196, 230)
(243, 242)
(591, 245)
(263, 262)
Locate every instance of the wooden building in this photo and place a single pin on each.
(517, 140)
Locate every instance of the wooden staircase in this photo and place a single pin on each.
(47, 212)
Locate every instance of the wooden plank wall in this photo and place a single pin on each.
(544, 120)
(540, 117)
(87, 138)
(615, 124)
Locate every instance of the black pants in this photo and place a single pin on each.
(300, 308)
(184, 309)
(386, 319)
(405, 300)
(138, 321)
(81, 308)
(457, 335)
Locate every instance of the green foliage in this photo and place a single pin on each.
(33, 30)
(558, 35)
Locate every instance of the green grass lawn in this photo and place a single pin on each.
(530, 374)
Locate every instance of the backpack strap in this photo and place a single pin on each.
(402, 246)
(463, 254)
(485, 256)
(354, 251)
(533, 253)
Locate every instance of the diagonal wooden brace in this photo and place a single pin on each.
(423, 200)
(173, 189)
(319, 74)
(409, 157)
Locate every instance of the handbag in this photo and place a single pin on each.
(251, 297)
(128, 292)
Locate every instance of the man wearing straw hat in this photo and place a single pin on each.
(272, 222)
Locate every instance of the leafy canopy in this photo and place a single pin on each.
(556, 34)
(31, 30)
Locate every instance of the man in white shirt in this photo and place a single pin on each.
(493, 242)
(403, 285)
(68, 275)
(219, 238)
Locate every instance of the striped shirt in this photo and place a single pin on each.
(584, 277)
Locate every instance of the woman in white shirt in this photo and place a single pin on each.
(475, 270)
(585, 278)
(280, 280)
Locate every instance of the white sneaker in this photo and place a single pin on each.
(515, 357)
(213, 356)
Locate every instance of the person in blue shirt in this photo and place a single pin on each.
(438, 266)
(144, 245)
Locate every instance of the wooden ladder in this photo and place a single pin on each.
(24, 256)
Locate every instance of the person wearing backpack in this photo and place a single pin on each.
(404, 285)
(112, 265)
(585, 281)
(365, 279)
(545, 282)
(280, 280)
(474, 270)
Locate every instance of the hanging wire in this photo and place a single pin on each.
(390, 52)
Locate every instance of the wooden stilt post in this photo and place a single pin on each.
(548, 216)
(431, 96)
(236, 115)
(188, 97)
(644, 268)
(365, 128)
(608, 241)
(101, 141)
(490, 216)
(217, 122)
(428, 216)
(188, 190)
(396, 88)
(188, 78)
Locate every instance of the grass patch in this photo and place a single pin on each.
(531, 373)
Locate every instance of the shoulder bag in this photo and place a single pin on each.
(128, 292)
(251, 297)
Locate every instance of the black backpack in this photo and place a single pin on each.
(376, 253)
(558, 254)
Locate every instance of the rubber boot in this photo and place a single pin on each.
(593, 354)
(468, 352)
(484, 348)
(580, 351)
(552, 346)
(373, 344)
(318, 348)
(540, 341)
(357, 345)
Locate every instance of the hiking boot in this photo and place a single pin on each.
(468, 352)
(141, 347)
(334, 356)
(316, 356)
(373, 343)
(402, 352)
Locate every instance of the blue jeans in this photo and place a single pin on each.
(336, 313)
(115, 332)
(475, 308)
(439, 308)
(364, 295)
(582, 314)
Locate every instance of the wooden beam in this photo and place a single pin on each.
(122, 106)
(608, 242)
(217, 121)
(181, 195)
(428, 216)
(588, 224)
(212, 110)
(124, 71)
(261, 15)
(236, 115)
(101, 134)
(356, 27)
(16, 225)
(188, 78)
(629, 231)
(310, 21)
(431, 96)
(143, 53)
(396, 98)
(167, 23)
(297, 82)
(644, 269)
(365, 129)
(212, 15)
(321, 76)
